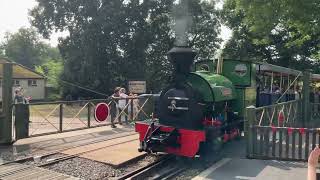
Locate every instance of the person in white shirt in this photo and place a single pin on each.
(297, 93)
(135, 103)
(122, 102)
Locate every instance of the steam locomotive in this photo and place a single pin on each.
(199, 110)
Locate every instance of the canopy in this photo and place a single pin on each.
(277, 69)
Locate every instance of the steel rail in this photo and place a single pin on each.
(30, 157)
(146, 169)
(63, 158)
(165, 168)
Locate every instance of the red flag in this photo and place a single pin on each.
(225, 137)
(290, 130)
(274, 129)
(281, 116)
(301, 130)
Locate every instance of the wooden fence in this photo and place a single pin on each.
(280, 132)
(282, 143)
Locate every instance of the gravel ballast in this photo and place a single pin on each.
(93, 170)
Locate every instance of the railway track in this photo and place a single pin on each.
(66, 157)
(55, 152)
(165, 168)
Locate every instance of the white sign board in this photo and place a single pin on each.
(137, 87)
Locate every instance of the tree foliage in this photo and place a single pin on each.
(277, 31)
(52, 70)
(112, 41)
(26, 48)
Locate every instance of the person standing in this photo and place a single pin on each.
(122, 102)
(135, 103)
(69, 98)
(19, 97)
(297, 94)
(113, 106)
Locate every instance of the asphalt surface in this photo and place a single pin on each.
(235, 166)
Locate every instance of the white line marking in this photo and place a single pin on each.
(243, 177)
(204, 174)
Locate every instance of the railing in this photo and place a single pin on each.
(315, 114)
(62, 116)
(136, 108)
(282, 114)
(282, 143)
(279, 132)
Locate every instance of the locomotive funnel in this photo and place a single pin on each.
(182, 59)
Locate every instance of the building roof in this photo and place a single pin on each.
(20, 71)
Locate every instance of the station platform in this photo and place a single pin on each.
(235, 169)
(235, 166)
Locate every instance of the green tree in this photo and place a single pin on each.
(112, 41)
(52, 70)
(280, 32)
(301, 18)
(24, 47)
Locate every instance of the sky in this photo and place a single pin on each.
(14, 15)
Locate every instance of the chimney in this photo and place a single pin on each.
(182, 59)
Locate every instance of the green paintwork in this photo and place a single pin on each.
(238, 105)
(213, 87)
(243, 76)
(241, 73)
(246, 96)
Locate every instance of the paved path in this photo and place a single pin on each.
(43, 144)
(235, 166)
(115, 152)
(236, 169)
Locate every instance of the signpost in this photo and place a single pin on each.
(101, 112)
(138, 87)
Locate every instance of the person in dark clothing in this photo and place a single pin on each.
(19, 97)
(113, 107)
(69, 98)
